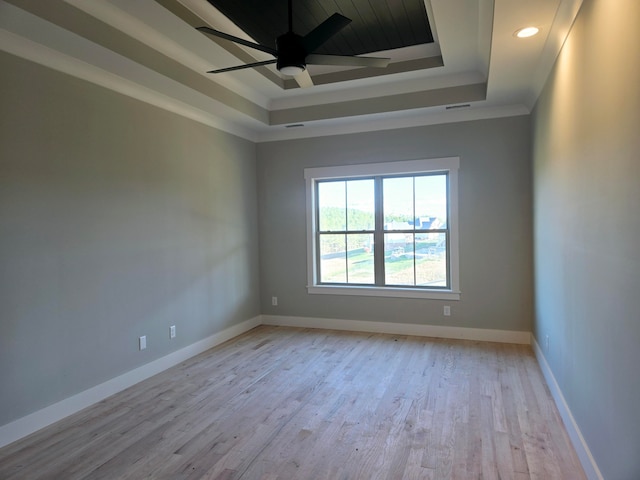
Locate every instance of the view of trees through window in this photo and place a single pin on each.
(405, 218)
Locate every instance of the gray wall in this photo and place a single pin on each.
(117, 220)
(587, 229)
(495, 223)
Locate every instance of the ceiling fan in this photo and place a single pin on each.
(293, 52)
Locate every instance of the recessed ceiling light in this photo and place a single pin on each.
(527, 32)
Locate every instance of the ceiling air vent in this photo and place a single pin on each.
(455, 107)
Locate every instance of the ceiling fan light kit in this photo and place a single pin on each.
(293, 52)
(292, 70)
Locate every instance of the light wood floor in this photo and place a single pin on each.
(284, 403)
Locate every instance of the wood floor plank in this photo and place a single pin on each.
(284, 403)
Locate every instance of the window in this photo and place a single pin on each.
(386, 229)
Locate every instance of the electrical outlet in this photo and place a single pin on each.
(142, 342)
(274, 301)
(172, 331)
(447, 311)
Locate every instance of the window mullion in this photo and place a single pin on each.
(346, 258)
(346, 228)
(378, 236)
(415, 275)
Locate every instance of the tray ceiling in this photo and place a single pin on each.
(451, 60)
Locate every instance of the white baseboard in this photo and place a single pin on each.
(462, 333)
(35, 421)
(582, 449)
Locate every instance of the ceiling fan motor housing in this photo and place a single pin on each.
(291, 52)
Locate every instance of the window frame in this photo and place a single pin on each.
(449, 165)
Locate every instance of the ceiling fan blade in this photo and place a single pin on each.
(347, 61)
(239, 40)
(304, 79)
(324, 31)
(240, 67)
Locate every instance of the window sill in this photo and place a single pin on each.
(384, 292)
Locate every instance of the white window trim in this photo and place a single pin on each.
(447, 164)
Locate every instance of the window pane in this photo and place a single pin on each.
(360, 205)
(431, 202)
(398, 203)
(431, 259)
(331, 206)
(360, 259)
(333, 256)
(398, 259)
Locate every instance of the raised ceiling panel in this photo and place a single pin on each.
(376, 25)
